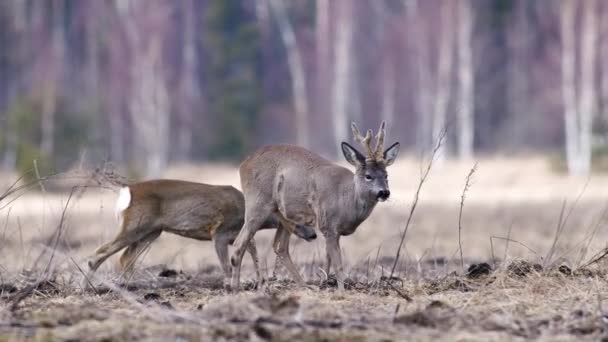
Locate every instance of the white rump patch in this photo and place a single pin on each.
(123, 202)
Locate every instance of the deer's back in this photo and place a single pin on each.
(268, 160)
(180, 206)
(294, 179)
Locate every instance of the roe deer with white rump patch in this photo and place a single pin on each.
(301, 187)
(193, 210)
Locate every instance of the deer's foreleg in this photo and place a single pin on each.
(332, 248)
(281, 248)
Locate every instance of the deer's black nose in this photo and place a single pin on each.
(384, 194)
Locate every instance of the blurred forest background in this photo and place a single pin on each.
(148, 83)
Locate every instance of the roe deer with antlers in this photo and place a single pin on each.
(193, 210)
(301, 187)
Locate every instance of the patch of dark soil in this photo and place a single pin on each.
(7, 289)
(168, 273)
(584, 272)
(436, 315)
(479, 270)
(565, 270)
(392, 280)
(155, 297)
(522, 268)
(439, 261)
(446, 284)
(584, 323)
(152, 296)
(47, 288)
(437, 304)
(261, 331)
(276, 305)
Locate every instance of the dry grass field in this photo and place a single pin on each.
(525, 274)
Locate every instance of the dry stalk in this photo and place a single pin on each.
(562, 223)
(514, 241)
(423, 178)
(467, 185)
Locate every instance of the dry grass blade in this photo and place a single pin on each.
(423, 178)
(561, 225)
(514, 241)
(59, 230)
(467, 185)
(597, 257)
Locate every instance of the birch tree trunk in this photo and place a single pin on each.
(587, 100)
(11, 139)
(342, 73)
(567, 12)
(443, 84)
(388, 92)
(466, 122)
(296, 69)
(149, 109)
(323, 67)
(388, 65)
(51, 83)
(189, 88)
(604, 63)
(149, 99)
(417, 38)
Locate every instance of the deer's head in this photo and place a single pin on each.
(371, 178)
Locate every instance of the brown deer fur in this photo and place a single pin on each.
(300, 187)
(193, 210)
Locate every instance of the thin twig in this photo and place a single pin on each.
(37, 173)
(562, 222)
(60, 229)
(504, 258)
(84, 275)
(417, 196)
(515, 241)
(467, 185)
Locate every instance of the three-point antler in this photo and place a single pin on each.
(364, 141)
(376, 153)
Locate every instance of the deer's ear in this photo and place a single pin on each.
(390, 154)
(352, 156)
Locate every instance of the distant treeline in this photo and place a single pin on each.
(144, 83)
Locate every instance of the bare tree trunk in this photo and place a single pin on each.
(444, 80)
(342, 73)
(604, 64)
(189, 88)
(296, 69)
(323, 63)
(466, 123)
(417, 38)
(388, 65)
(587, 106)
(388, 92)
(568, 66)
(521, 105)
(149, 99)
(51, 83)
(9, 160)
(150, 109)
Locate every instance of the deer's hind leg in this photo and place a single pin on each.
(131, 233)
(134, 250)
(221, 248)
(255, 216)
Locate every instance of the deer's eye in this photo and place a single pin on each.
(368, 178)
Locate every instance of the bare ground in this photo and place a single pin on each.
(536, 283)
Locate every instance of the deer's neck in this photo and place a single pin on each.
(363, 203)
